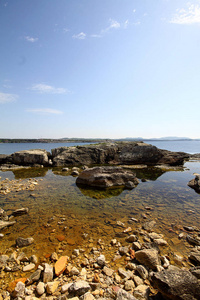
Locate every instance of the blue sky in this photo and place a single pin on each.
(99, 68)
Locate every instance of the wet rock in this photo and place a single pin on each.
(4, 224)
(195, 257)
(189, 228)
(23, 242)
(160, 242)
(33, 259)
(123, 250)
(104, 177)
(132, 238)
(154, 235)
(101, 260)
(79, 288)
(48, 273)
(65, 169)
(54, 256)
(176, 283)
(148, 257)
(136, 246)
(193, 240)
(20, 211)
(148, 226)
(196, 271)
(195, 183)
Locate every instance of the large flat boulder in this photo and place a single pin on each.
(177, 284)
(30, 157)
(104, 177)
(126, 153)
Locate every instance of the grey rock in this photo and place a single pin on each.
(34, 277)
(195, 183)
(132, 238)
(124, 295)
(23, 242)
(101, 260)
(148, 226)
(30, 157)
(19, 290)
(195, 256)
(79, 288)
(4, 224)
(142, 271)
(123, 250)
(87, 296)
(125, 274)
(48, 273)
(104, 177)
(148, 257)
(142, 292)
(176, 283)
(20, 211)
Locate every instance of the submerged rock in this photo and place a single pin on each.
(105, 177)
(23, 242)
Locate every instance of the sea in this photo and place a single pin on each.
(63, 216)
(182, 145)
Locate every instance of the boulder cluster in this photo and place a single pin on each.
(96, 154)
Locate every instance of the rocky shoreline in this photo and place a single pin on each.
(118, 153)
(133, 264)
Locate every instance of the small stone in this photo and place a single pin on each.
(136, 246)
(54, 256)
(21, 242)
(101, 260)
(129, 285)
(124, 295)
(148, 226)
(108, 271)
(125, 274)
(74, 271)
(19, 289)
(132, 238)
(20, 211)
(138, 280)
(65, 287)
(40, 289)
(48, 273)
(33, 259)
(34, 276)
(87, 296)
(160, 242)
(141, 292)
(61, 265)
(123, 250)
(79, 287)
(28, 267)
(142, 271)
(52, 286)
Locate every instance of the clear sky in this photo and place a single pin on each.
(99, 68)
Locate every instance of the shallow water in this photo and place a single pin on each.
(60, 212)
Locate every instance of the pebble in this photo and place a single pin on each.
(29, 267)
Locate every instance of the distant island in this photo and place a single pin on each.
(93, 140)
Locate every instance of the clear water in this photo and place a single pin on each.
(60, 212)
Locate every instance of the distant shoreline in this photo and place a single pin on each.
(88, 140)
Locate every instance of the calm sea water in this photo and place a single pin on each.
(184, 146)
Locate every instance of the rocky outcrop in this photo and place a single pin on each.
(195, 183)
(30, 157)
(105, 177)
(177, 284)
(125, 153)
(119, 153)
